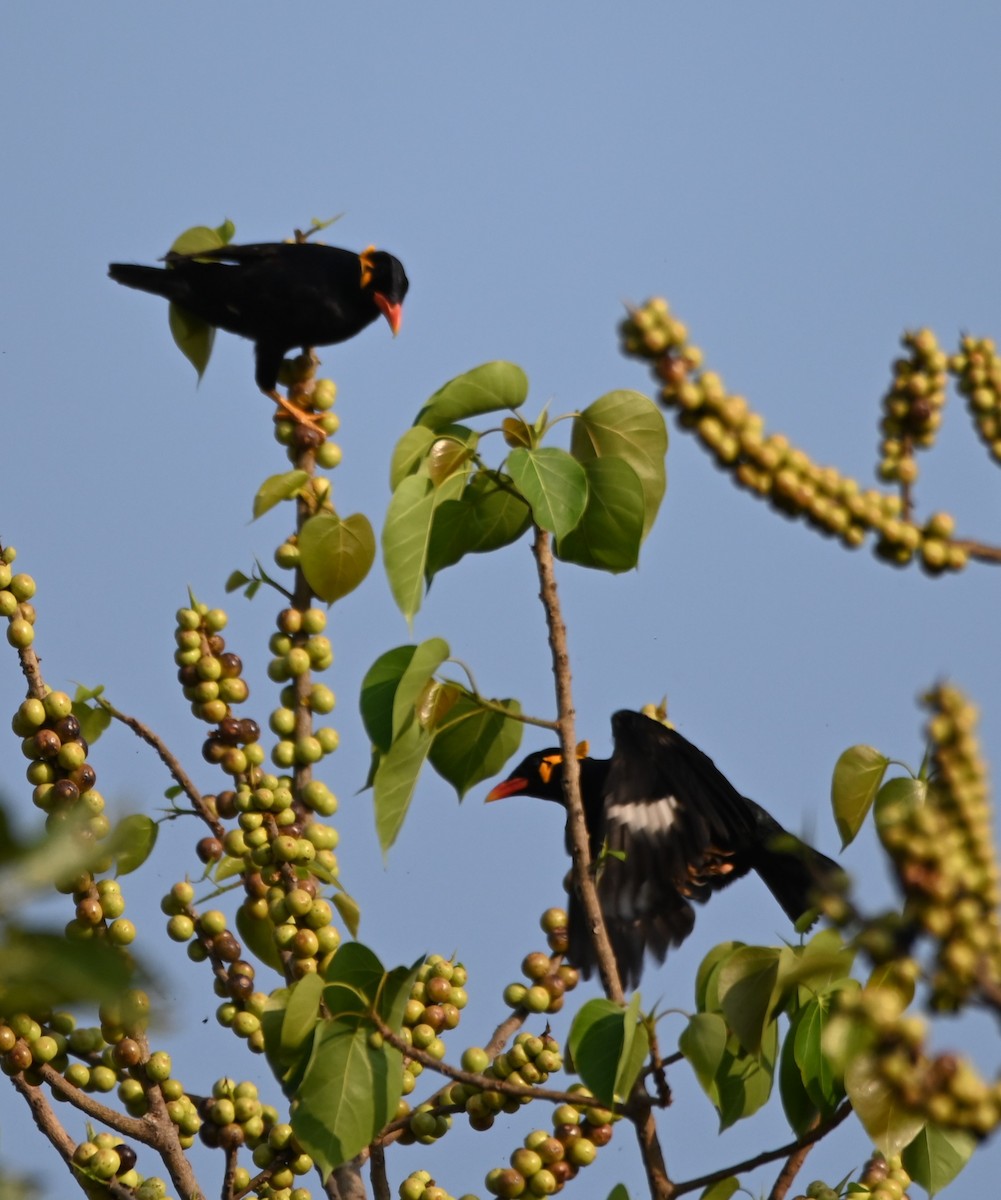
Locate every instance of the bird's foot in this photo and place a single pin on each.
(302, 418)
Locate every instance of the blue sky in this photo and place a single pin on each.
(801, 181)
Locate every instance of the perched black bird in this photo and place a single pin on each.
(674, 830)
(282, 295)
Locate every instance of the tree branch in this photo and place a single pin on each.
(759, 1160)
(583, 878)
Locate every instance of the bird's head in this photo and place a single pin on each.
(384, 278)
(539, 775)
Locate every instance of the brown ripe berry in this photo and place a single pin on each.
(250, 731)
(47, 744)
(601, 1135)
(65, 791)
(536, 965)
(90, 911)
(67, 729)
(226, 947)
(127, 1156)
(434, 1016)
(209, 850)
(232, 665)
(559, 941)
(84, 777)
(229, 730)
(18, 1058)
(437, 989)
(127, 1053)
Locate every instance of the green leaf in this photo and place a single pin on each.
(395, 781)
(43, 970)
(350, 1090)
(744, 1080)
(635, 1048)
(202, 237)
(192, 336)
(883, 1117)
(486, 517)
(553, 484)
(823, 1084)
(799, 1109)
(748, 994)
(857, 776)
(707, 976)
(409, 454)
(356, 966)
(449, 456)
(257, 936)
(418, 674)
(936, 1156)
(348, 908)
(474, 743)
(93, 718)
(722, 1189)
(405, 537)
(608, 535)
(133, 842)
(484, 389)
(302, 1015)
(378, 693)
(236, 580)
(599, 1044)
(626, 425)
(897, 800)
(618, 1192)
(395, 993)
(336, 553)
(277, 488)
(703, 1043)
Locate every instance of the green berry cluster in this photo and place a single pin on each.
(944, 856)
(546, 1161)
(881, 1179)
(529, 1063)
(209, 939)
(212, 680)
(549, 979)
(912, 408)
(62, 778)
(314, 396)
(300, 647)
(105, 1157)
(27, 1042)
(419, 1185)
(16, 592)
(770, 467)
(233, 1116)
(280, 1153)
(978, 368)
(437, 998)
(943, 1089)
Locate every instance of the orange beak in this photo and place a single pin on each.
(510, 787)
(392, 312)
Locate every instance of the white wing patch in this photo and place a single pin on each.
(652, 817)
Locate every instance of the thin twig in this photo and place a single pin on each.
(483, 1082)
(377, 1173)
(170, 761)
(640, 1103)
(50, 1127)
(766, 1156)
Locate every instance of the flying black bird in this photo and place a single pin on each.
(677, 831)
(279, 294)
